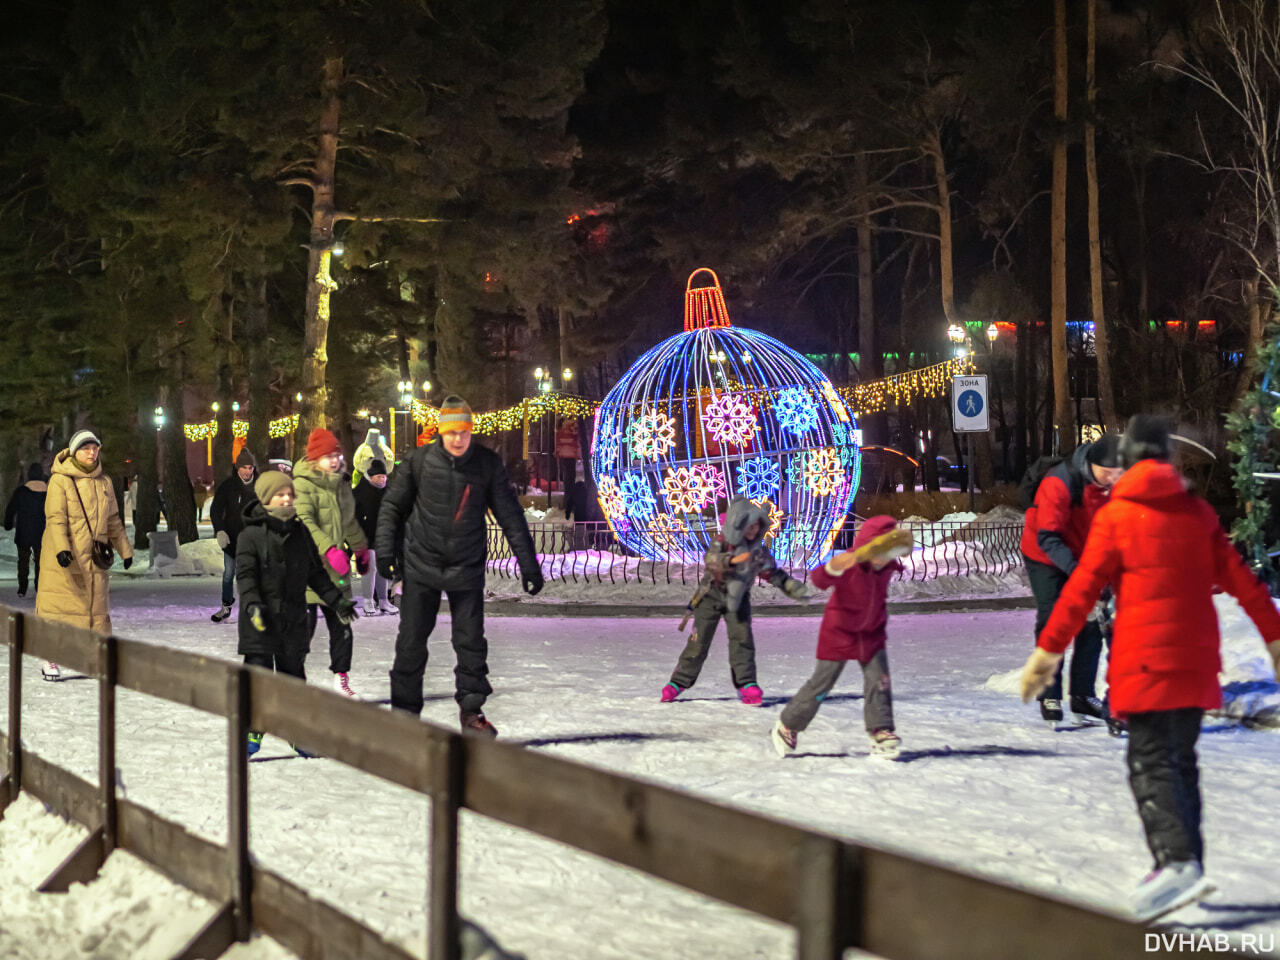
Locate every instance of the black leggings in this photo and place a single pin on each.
(341, 638)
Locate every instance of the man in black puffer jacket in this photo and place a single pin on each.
(431, 534)
(26, 511)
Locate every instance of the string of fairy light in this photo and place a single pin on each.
(873, 396)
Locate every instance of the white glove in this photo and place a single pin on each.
(223, 539)
(1038, 672)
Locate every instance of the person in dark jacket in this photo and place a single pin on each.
(1164, 552)
(432, 535)
(853, 628)
(226, 513)
(276, 561)
(1053, 537)
(368, 495)
(25, 511)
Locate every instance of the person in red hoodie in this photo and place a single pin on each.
(853, 628)
(1164, 551)
(1053, 536)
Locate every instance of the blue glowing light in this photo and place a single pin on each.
(758, 478)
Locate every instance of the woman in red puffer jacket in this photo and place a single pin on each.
(853, 628)
(1164, 551)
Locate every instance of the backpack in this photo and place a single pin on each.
(1031, 480)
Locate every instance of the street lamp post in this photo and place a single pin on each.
(963, 340)
(544, 379)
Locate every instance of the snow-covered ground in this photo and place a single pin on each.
(982, 785)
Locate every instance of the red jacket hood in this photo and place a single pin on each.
(1149, 480)
(873, 527)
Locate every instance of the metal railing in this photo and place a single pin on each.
(589, 552)
(835, 893)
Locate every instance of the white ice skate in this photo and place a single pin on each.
(783, 740)
(342, 684)
(885, 745)
(1172, 886)
(370, 609)
(50, 671)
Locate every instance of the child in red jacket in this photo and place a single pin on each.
(853, 629)
(1164, 551)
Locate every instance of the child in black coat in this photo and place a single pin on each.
(276, 561)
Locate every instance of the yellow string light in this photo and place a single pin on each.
(863, 398)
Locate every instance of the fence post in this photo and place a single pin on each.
(11, 785)
(820, 893)
(442, 909)
(107, 742)
(241, 879)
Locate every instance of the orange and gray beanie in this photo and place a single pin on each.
(455, 415)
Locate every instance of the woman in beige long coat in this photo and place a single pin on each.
(72, 588)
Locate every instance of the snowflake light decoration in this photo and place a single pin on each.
(686, 490)
(712, 479)
(638, 495)
(758, 478)
(607, 445)
(651, 435)
(668, 532)
(730, 420)
(776, 517)
(795, 410)
(824, 474)
(610, 498)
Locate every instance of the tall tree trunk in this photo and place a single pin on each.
(1101, 337)
(1023, 421)
(1062, 415)
(315, 352)
(946, 276)
(869, 352)
(225, 440)
(179, 498)
(146, 505)
(258, 440)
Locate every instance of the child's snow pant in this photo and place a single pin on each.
(877, 707)
(742, 646)
(341, 639)
(1165, 780)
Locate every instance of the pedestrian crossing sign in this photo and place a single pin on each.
(970, 411)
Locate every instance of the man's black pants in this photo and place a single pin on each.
(419, 607)
(1046, 585)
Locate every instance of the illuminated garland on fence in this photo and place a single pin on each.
(863, 398)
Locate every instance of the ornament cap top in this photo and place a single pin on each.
(704, 307)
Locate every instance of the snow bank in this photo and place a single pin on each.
(200, 558)
(130, 911)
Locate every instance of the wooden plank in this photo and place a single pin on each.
(213, 939)
(191, 861)
(68, 646)
(174, 675)
(80, 866)
(442, 891)
(14, 631)
(239, 868)
(737, 857)
(107, 742)
(819, 933)
(61, 790)
(311, 928)
(914, 910)
(389, 744)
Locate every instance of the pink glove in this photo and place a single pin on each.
(362, 562)
(337, 558)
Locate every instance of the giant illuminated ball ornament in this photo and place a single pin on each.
(716, 412)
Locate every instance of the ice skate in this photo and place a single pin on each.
(1168, 888)
(304, 754)
(255, 743)
(1051, 711)
(50, 671)
(1088, 710)
(223, 612)
(670, 692)
(386, 609)
(751, 695)
(476, 723)
(783, 740)
(885, 745)
(370, 610)
(342, 684)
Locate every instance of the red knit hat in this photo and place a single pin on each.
(322, 443)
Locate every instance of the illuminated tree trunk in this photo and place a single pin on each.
(225, 440)
(1101, 342)
(259, 416)
(315, 355)
(1063, 419)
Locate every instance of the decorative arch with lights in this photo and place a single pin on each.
(715, 412)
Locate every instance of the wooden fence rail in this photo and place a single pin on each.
(835, 893)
